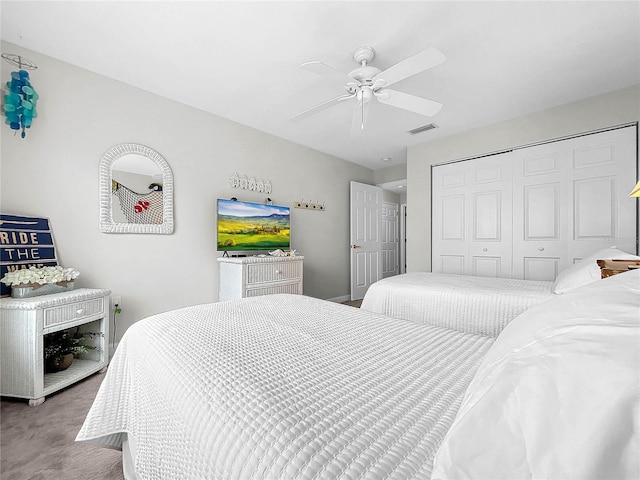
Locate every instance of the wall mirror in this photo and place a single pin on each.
(136, 191)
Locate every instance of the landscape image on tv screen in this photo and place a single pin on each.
(252, 226)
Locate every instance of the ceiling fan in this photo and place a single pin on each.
(367, 82)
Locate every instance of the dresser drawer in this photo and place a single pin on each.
(273, 272)
(73, 311)
(293, 288)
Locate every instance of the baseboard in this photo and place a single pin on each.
(344, 298)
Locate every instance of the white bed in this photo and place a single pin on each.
(481, 305)
(283, 386)
(290, 387)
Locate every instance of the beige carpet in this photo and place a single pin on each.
(37, 443)
(353, 303)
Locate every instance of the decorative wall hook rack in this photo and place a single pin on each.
(250, 183)
(309, 205)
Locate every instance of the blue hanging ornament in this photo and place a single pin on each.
(21, 98)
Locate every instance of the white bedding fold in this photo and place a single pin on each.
(283, 386)
(480, 305)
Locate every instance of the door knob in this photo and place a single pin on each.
(356, 246)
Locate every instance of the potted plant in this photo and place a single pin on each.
(61, 347)
(32, 281)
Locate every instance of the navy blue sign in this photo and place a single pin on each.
(24, 242)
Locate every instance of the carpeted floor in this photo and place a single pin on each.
(38, 443)
(353, 303)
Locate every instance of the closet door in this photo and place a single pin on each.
(603, 170)
(532, 212)
(472, 217)
(573, 195)
(540, 198)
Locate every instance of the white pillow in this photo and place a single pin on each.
(557, 395)
(587, 270)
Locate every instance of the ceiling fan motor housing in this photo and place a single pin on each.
(363, 54)
(365, 73)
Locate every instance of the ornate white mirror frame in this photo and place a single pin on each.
(107, 224)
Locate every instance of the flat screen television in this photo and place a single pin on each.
(245, 226)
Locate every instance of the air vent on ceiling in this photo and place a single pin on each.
(423, 128)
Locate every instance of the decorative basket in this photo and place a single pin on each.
(34, 290)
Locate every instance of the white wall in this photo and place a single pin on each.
(53, 173)
(603, 111)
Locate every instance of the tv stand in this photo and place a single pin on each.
(241, 277)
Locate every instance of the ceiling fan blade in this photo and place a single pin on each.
(329, 72)
(322, 106)
(420, 105)
(418, 63)
(359, 120)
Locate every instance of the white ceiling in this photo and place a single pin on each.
(240, 60)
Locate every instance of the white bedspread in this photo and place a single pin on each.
(480, 305)
(283, 387)
(558, 394)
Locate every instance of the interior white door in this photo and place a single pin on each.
(366, 241)
(472, 217)
(403, 238)
(390, 227)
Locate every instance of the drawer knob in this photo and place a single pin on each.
(80, 311)
(541, 249)
(484, 249)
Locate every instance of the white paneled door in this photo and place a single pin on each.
(540, 197)
(573, 195)
(472, 217)
(390, 229)
(534, 211)
(366, 237)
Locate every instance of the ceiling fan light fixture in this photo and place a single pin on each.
(364, 94)
(383, 96)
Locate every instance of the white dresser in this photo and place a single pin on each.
(240, 277)
(23, 324)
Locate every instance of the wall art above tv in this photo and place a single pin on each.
(246, 226)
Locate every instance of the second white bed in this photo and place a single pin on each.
(479, 305)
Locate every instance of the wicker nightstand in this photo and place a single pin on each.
(23, 324)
